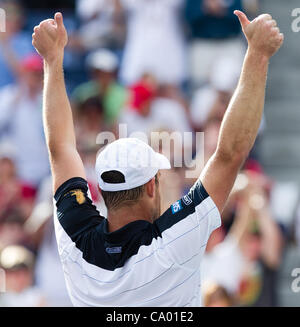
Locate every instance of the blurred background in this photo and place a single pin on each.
(155, 65)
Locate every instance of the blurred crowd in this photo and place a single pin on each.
(153, 65)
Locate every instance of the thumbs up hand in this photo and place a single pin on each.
(262, 33)
(50, 38)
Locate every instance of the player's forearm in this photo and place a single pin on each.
(242, 119)
(57, 113)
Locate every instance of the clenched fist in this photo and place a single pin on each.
(50, 38)
(262, 33)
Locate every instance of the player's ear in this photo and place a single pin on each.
(150, 188)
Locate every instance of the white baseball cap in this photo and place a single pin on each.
(134, 159)
(102, 59)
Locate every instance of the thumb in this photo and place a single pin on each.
(59, 20)
(242, 18)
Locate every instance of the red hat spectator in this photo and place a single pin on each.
(32, 63)
(140, 95)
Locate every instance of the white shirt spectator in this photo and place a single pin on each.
(154, 41)
(166, 114)
(97, 25)
(52, 285)
(31, 297)
(223, 265)
(224, 77)
(201, 104)
(21, 123)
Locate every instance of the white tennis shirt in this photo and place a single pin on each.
(141, 264)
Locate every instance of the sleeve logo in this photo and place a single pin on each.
(176, 207)
(187, 200)
(114, 250)
(80, 197)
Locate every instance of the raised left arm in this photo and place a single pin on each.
(50, 39)
(243, 116)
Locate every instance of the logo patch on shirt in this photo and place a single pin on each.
(187, 200)
(80, 197)
(175, 207)
(113, 250)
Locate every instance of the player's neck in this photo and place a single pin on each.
(126, 214)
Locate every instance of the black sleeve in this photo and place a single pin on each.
(75, 210)
(183, 207)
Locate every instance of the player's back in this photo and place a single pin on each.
(141, 264)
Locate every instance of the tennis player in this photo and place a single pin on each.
(138, 256)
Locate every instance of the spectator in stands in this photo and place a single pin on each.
(155, 107)
(137, 115)
(210, 101)
(18, 263)
(9, 186)
(169, 113)
(245, 262)
(102, 25)
(261, 248)
(13, 193)
(21, 122)
(15, 44)
(170, 106)
(155, 41)
(89, 122)
(217, 296)
(12, 228)
(40, 227)
(103, 65)
(215, 32)
(251, 7)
